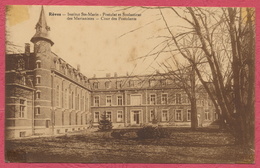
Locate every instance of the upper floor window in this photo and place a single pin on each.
(96, 101)
(37, 111)
(38, 94)
(164, 98)
(24, 80)
(108, 84)
(57, 96)
(22, 111)
(38, 64)
(119, 100)
(163, 82)
(95, 85)
(38, 79)
(109, 100)
(131, 83)
(118, 84)
(178, 98)
(152, 82)
(152, 99)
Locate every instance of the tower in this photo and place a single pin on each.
(43, 117)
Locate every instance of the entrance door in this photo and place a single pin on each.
(135, 117)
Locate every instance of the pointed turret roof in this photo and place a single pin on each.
(42, 29)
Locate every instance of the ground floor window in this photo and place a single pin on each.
(178, 115)
(152, 115)
(119, 116)
(108, 115)
(207, 115)
(164, 115)
(188, 115)
(96, 116)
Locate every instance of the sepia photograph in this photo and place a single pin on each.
(129, 84)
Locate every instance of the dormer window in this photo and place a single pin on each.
(108, 84)
(95, 85)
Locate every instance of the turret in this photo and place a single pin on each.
(42, 30)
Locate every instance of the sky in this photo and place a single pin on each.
(98, 46)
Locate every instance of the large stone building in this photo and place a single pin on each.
(47, 96)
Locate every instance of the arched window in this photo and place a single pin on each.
(38, 94)
(72, 100)
(66, 98)
(57, 96)
(38, 64)
(38, 79)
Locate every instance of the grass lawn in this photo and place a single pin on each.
(183, 146)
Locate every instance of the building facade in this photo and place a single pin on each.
(47, 96)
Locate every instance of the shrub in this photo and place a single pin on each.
(105, 124)
(117, 134)
(150, 132)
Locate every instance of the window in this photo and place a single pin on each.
(57, 65)
(95, 85)
(22, 108)
(152, 115)
(38, 111)
(178, 99)
(108, 84)
(118, 84)
(207, 115)
(72, 100)
(178, 115)
(164, 115)
(96, 117)
(188, 115)
(57, 96)
(96, 101)
(108, 115)
(38, 64)
(65, 70)
(135, 100)
(131, 83)
(38, 79)
(215, 115)
(78, 102)
(66, 98)
(119, 116)
(119, 100)
(152, 99)
(109, 101)
(164, 98)
(23, 80)
(152, 82)
(163, 82)
(38, 94)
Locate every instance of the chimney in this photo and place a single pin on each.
(115, 74)
(27, 49)
(78, 67)
(127, 74)
(108, 75)
(94, 76)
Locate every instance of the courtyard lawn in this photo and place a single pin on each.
(183, 146)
